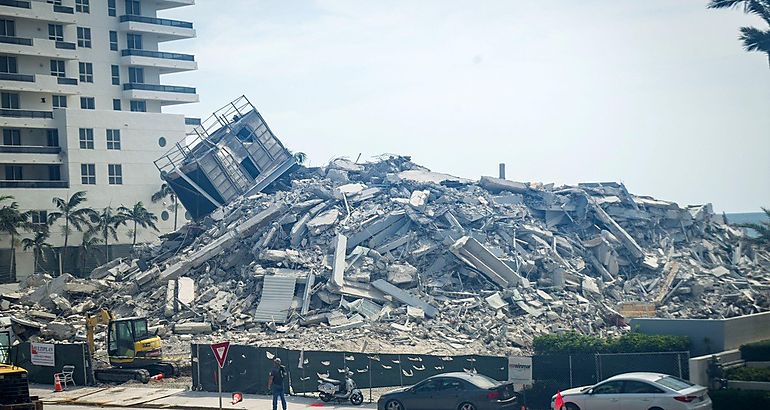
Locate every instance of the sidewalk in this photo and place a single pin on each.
(130, 396)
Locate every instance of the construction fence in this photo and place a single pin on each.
(247, 368)
(559, 372)
(41, 367)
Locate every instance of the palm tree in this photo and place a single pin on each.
(87, 244)
(11, 221)
(140, 216)
(38, 245)
(74, 214)
(166, 191)
(105, 225)
(763, 231)
(753, 39)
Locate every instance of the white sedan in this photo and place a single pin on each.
(637, 391)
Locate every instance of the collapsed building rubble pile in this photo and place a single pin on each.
(388, 256)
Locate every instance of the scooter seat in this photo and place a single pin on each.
(332, 381)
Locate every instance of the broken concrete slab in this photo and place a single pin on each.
(405, 297)
(496, 185)
(474, 254)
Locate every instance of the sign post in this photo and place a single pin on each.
(220, 353)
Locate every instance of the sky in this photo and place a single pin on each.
(657, 94)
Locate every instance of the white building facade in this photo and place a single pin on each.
(82, 87)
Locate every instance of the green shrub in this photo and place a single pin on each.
(756, 352)
(740, 399)
(749, 374)
(629, 343)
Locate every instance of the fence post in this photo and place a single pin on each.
(679, 363)
(400, 372)
(598, 361)
(570, 372)
(369, 370)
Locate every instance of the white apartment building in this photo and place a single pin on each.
(82, 88)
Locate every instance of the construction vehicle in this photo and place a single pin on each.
(14, 384)
(134, 353)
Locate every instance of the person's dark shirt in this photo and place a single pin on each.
(278, 374)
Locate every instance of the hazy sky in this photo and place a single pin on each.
(657, 94)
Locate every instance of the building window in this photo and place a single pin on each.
(115, 75)
(54, 173)
(52, 137)
(87, 103)
(59, 101)
(112, 11)
(115, 174)
(8, 28)
(113, 139)
(134, 41)
(114, 40)
(138, 106)
(57, 68)
(11, 136)
(116, 104)
(56, 2)
(56, 32)
(88, 174)
(136, 75)
(82, 6)
(86, 138)
(84, 37)
(8, 64)
(13, 173)
(133, 7)
(9, 101)
(86, 72)
(39, 219)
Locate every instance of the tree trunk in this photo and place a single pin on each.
(106, 245)
(66, 239)
(134, 244)
(34, 260)
(11, 270)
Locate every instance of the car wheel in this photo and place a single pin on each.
(394, 405)
(467, 406)
(572, 406)
(656, 408)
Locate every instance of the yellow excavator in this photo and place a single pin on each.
(134, 353)
(14, 383)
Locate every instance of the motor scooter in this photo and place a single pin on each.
(331, 389)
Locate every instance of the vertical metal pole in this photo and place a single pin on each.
(502, 171)
(570, 372)
(219, 382)
(198, 365)
(679, 363)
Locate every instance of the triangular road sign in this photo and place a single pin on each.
(220, 352)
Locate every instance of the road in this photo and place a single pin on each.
(292, 406)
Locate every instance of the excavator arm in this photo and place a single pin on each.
(103, 317)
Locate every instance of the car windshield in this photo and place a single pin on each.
(483, 382)
(674, 383)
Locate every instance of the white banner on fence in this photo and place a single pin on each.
(520, 369)
(42, 354)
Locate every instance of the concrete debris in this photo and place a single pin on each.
(397, 258)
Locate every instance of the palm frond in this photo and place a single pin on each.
(755, 39)
(724, 4)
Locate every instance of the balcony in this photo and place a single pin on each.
(27, 149)
(38, 47)
(166, 94)
(165, 62)
(192, 121)
(26, 119)
(165, 29)
(37, 10)
(33, 184)
(167, 4)
(38, 83)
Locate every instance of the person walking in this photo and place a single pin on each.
(275, 383)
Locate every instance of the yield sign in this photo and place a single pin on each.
(220, 352)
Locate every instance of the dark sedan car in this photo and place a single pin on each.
(453, 391)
